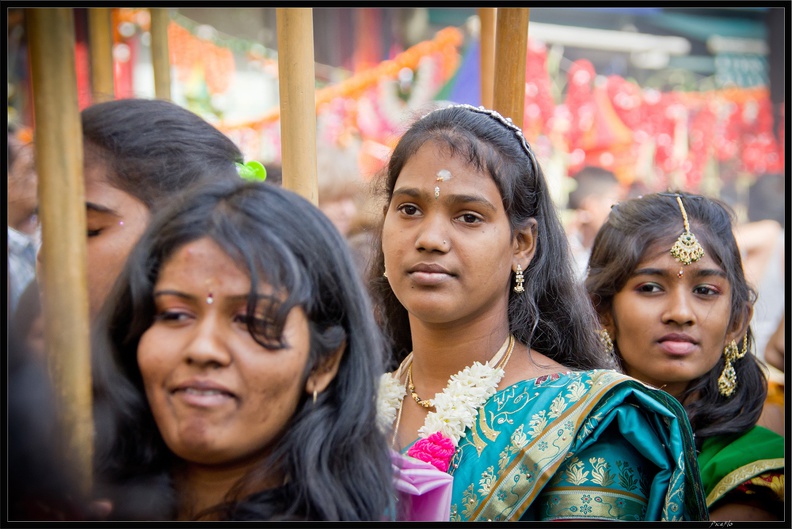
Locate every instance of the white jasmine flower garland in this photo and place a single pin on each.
(456, 409)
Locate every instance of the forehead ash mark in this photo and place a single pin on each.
(443, 175)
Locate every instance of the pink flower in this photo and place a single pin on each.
(435, 449)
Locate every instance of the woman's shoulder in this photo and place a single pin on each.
(593, 380)
(744, 466)
(755, 444)
(592, 396)
(595, 390)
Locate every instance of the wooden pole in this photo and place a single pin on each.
(511, 50)
(160, 58)
(59, 163)
(296, 84)
(101, 47)
(487, 16)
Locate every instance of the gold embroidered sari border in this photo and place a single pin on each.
(597, 492)
(579, 503)
(742, 474)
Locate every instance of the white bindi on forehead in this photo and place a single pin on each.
(210, 283)
(443, 175)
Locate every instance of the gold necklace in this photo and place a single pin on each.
(500, 359)
(411, 388)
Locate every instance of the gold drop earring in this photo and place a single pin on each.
(606, 341)
(519, 279)
(727, 381)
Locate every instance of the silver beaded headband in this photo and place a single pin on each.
(506, 122)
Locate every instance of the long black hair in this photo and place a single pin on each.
(336, 461)
(553, 315)
(640, 225)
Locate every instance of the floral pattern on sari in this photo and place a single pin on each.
(555, 448)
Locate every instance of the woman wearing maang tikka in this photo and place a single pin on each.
(677, 309)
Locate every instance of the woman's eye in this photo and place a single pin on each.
(469, 218)
(706, 290)
(257, 323)
(171, 316)
(93, 233)
(408, 209)
(263, 330)
(648, 288)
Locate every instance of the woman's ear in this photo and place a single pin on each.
(525, 244)
(739, 326)
(325, 372)
(607, 323)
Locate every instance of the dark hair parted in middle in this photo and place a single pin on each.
(553, 315)
(336, 461)
(639, 228)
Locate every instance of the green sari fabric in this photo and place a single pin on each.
(729, 461)
(578, 445)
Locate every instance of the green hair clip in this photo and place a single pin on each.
(252, 171)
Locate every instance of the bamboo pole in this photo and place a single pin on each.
(160, 58)
(487, 17)
(58, 140)
(297, 100)
(511, 50)
(101, 34)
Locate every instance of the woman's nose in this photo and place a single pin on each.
(433, 234)
(679, 308)
(208, 346)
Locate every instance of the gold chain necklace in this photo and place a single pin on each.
(499, 359)
(411, 388)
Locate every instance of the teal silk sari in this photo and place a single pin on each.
(580, 445)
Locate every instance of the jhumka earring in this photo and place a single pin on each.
(727, 381)
(686, 249)
(606, 341)
(519, 280)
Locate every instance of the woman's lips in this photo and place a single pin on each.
(677, 348)
(202, 395)
(677, 344)
(429, 275)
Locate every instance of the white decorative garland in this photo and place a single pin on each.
(456, 409)
(457, 406)
(389, 396)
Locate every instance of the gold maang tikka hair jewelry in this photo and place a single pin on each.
(686, 249)
(727, 381)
